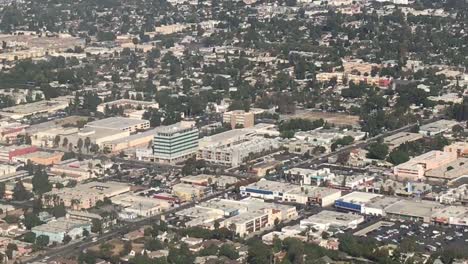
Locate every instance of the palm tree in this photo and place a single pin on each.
(65, 142)
(79, 144)
(87, 143)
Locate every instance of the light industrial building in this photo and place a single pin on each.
(84, 196)
(413, 210)
(57, 230)
(355, 201)
(437, 127)
(328, 219)
(120, 123)
(398, 139)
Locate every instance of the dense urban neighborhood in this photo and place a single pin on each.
(235, 131)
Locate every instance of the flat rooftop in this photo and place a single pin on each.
(414, 208)
(359, 197)
(116, 123)
(402, 137)
(450, 170)
(452, 211)
(382, 202)
(61, 225)
(438, 125)
(273, 186)
(334, 218)
(175, 128)
(228, 135)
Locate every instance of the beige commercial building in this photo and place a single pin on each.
(120, 123)
(84, 196)
(238, 118)
(416, 168)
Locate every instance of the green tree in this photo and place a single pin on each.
(96, 226)
(228, 251)
(20, 193)
(2, 190)
(66, 239)
(59, 210)
(29, 237)
(180, 255)
(31, 220)
(398, 156)
(42, 241)
(258, 252)
(40, 182)
(377, 151)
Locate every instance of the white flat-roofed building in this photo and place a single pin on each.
(227, 138)
(310, 176)
(355, 201)
(351, 182)
(398, 139)
(120, 123)
(37, 108)
(437, 127)
(413, 210)
(327, 219)
(84, 196)
(57, 230)
(271, 190)
(139, 205)
(140, 139)
(377, 205)
(176, 142)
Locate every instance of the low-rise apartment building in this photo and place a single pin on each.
(239, 153)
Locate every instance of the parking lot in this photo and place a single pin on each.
(427, 237)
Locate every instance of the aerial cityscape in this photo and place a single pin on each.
(234, 131)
